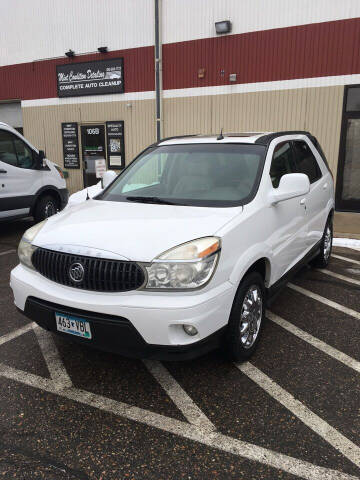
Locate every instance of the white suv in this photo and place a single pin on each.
(181, 252)
(29, 183)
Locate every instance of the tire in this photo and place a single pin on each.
(240, 346)
(322, 260)
(45, 207)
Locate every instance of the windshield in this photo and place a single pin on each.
(194, 174)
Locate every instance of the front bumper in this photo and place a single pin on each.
(116, 334)
(152, 322)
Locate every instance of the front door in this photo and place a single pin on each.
(93, 148)
(288, 218)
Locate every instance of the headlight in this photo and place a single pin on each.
(188, 266)
(26, 249)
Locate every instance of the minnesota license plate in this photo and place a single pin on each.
(73, 325)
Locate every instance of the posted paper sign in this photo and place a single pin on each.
(100, 167)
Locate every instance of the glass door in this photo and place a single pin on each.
(93, 148)
(348, 177)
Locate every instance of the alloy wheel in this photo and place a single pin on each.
(251, 316)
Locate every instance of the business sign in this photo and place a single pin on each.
(115, 144)
(70, 145)
(90, 78)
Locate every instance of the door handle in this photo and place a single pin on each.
(3, 171)
(303, 201)
(325, 186)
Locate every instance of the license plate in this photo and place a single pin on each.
(73, 325)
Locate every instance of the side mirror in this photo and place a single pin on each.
(291, 185)
(108, 177)
(39, 159)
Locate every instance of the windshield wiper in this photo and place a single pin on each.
(150, 200)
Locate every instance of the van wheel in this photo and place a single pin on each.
(322, 260)
(45, 207)
(246, 318)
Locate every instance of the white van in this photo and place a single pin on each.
(30, 185)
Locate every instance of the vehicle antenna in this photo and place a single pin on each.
(87, 194)
(221, 136)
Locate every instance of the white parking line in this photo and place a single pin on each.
(7, 252)
(339, 276)
(214, 440)
(309, 418)
(178, 395)
(16, 333)
(52, 359)
(315, 342)
(325, 301)
(346, 259)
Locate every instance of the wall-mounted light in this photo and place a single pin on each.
(223, 27)
(102, 49)
(70, 53)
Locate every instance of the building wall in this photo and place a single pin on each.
(318, 110)
(43, 128)
(315, 109)
(40, 29)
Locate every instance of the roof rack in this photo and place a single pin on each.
(266, 139)
(176, 136)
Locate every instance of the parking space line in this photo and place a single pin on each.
(178, 395)
(16, 333)
(339, 276)
(346, 259)
(315, 342)
(7, 252)
(309, 418)
(325, 301)
(186, 430)
(52, 359)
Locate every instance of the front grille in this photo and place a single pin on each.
(98, 274)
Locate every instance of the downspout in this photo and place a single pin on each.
(158, 70)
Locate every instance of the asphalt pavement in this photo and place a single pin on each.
(293, 411)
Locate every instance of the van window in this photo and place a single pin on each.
(305, 161)
(7, 149)
(24, 154)
(282, 163)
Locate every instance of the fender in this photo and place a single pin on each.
(247, 259)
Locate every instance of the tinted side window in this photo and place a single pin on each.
(7, 149)
(282, 163)
(305, 161)
(24, 154)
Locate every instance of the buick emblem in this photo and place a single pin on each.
(76, 272)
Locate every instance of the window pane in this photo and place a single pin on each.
(24, 154)
(305, 161)
(7, 150)
(353, 99)
(282, 163)
(351, 178)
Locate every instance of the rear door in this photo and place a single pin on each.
(316, 199)
(19, 180)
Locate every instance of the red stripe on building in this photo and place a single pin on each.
(315, 50)
(37, 79)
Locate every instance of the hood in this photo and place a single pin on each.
(133, 231)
